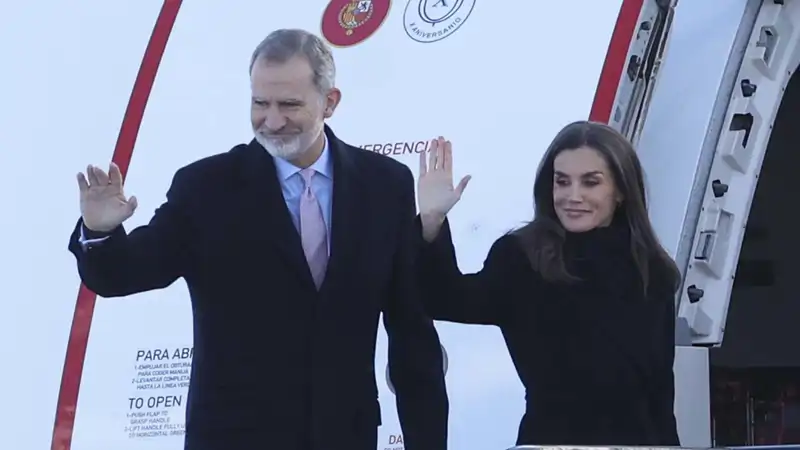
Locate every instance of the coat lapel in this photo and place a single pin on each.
(349, 211)
(267, 211)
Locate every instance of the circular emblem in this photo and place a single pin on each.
(389, 378)
(350, 22)
(429, 21)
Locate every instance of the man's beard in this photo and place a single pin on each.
(288, 147)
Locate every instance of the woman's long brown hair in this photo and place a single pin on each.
(543, 238)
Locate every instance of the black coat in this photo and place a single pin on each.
(278, 364)
(595, 357)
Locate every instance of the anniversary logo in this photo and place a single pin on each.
(429, 21)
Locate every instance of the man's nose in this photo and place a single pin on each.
(274, 121)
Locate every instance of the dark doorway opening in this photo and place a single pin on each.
(755, 374)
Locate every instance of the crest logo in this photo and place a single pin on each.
(429, 21)
(349, 22)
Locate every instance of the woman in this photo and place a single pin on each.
(583, 294)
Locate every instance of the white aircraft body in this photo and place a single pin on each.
(154, 85)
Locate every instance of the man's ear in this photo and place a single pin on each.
(331, 102)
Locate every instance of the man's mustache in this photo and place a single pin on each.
(281, 134)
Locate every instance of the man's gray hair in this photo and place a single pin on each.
(283, 45)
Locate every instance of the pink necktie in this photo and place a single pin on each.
(313, 232)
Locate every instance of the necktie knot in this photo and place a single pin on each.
(307, 173)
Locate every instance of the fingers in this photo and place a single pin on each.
(96, 176)
(83, 184)
(440, 144)
(92, 175)
(447, 156)
(114, 175)
(463, 185)
(440, 157)
(132, 204)
(102, 177)
(437, 154)
(433, 152)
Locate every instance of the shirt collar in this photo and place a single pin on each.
(322, 165)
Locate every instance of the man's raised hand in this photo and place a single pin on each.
(103, 203)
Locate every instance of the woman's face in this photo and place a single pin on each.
(584, 191)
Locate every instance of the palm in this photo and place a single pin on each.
(436, 193)
(435, 189)
(103, 202)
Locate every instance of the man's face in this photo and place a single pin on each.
(287, 111)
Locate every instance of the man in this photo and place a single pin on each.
(284, 335)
